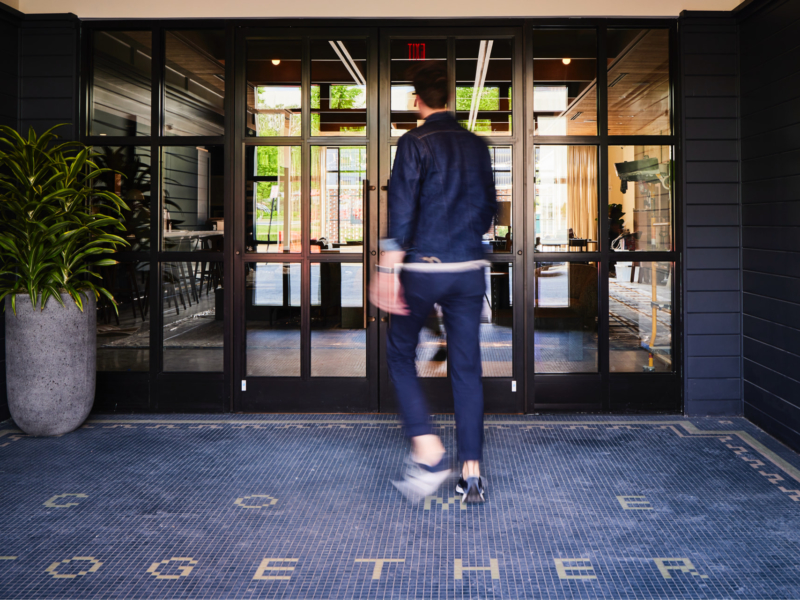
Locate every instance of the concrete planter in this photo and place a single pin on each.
(51, 358)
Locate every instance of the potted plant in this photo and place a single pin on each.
(55, 229)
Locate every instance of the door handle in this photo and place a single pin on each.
(371, 319)
(384, 187)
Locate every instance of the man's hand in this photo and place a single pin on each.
(385, 291)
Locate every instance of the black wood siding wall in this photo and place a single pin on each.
(10, 21)
(49, 73)
(39, 74)
(770, 146)
(712, 317)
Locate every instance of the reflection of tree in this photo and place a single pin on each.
(273, 124)
(131, 181)
(490, 98)
(270, 162)
(340, 97)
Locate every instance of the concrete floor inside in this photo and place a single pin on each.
(300, 507)
(193, 336)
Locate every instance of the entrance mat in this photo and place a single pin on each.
(292, 507)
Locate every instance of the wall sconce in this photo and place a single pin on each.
(276, 61)
(566, 61)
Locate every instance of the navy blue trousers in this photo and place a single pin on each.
(461, 297)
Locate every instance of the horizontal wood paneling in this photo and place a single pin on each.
(38, 83)
(770, 85)
(767, 261)
(712, 318)
(49, 74)
(713, 280)
(712, 237)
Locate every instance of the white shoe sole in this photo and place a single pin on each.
(416, 490)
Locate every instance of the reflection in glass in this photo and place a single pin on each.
(273, 199)
(404, 54)
(565, 81)
(640, 317)
(496, 329)
(272, 314)
(338, 329)
(192, 300)
(483, 85)
(565, 196)
(640, 198)
(273, 87)
(339, 87)
(123, 338)
(194, 102)
(337, 198)
(131, 181)
(192, 198)
(121, 83)
(497, 322)
(565, 317)
(498, 237)
(638, 82)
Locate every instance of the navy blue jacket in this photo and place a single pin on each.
(442, 196)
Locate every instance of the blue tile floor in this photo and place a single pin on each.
(296, 507)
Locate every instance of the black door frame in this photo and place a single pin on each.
(499, 397)
(157, 391)
(604, 391)
(306, 393)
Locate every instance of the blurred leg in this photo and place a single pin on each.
(401, 352)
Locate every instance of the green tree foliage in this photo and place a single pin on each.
(490, 98)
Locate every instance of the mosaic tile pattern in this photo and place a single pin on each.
(292, 507)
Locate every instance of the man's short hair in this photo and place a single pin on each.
(430, 82)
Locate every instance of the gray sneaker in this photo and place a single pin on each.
(421, 480)
(473, 490)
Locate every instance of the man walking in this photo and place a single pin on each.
(441, 201)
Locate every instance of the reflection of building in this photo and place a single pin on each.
(342, 204)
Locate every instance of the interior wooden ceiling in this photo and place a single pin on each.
(638, 78)
(638, 92)
(196, 55)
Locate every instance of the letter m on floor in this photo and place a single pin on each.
(445, 504)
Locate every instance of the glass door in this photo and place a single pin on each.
(304, 338)
(482, 74)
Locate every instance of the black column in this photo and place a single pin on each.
(10, 21)
(770, 148)
(712, 292)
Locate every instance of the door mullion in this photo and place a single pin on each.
(305, 319)
(370, 215)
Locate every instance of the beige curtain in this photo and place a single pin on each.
(582, 191)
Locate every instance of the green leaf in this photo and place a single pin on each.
(54, 226)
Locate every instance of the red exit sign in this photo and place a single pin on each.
(416, 52)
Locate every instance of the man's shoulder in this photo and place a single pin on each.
(437, 126)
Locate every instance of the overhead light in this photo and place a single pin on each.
(566, 61)
(276, 61)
